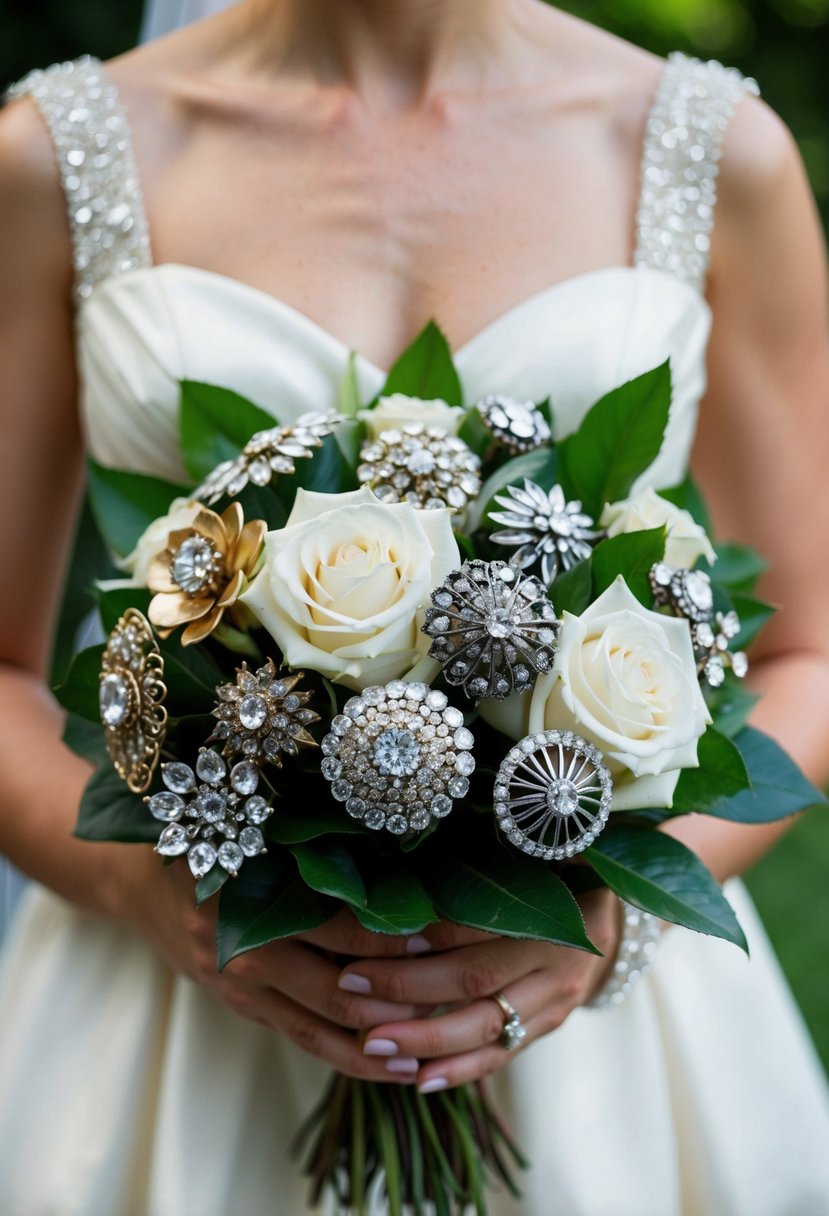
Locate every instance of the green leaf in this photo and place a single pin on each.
(687, 497)
(618, 439)
(540, 466)
(730, 704)
(396, 903)
(778, 787)
(125, 504)
(737, 567)
(329, 868)
(79, 691)
(753, 614)
(85, 738)
(474, 434)
(721, 774)
(327, 472)
(426, 370)
(572, 591)
(630, 554)
(214, 425)
(113, 602)
(654, 872)
(263, 502)
(191, 676)
(110, 811)
(511, 896)
(307, 823)
(267, 902)
(212, 882)
(349, 400)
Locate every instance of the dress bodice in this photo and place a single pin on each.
(143, 327)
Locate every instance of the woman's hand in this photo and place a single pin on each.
(544, 984)
(289, 986)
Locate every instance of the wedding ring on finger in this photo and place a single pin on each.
(513, 1032)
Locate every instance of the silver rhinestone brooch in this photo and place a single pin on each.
(421, 465)
(712, 640)
(266, 454)
(518, 426)
(544, 529)
(262, 715)
(397, 757)
(552, 795)
(210, 814)
(492, 629)
(130, 693)
(688, 594)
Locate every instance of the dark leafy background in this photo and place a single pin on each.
(784, 44)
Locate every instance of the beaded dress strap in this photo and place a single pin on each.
(93, 146)
(680, 161)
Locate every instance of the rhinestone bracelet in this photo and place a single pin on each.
(641, 933)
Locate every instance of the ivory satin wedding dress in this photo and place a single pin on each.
(126, 1090)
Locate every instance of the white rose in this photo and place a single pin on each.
(625, 679)
(398, 410)
(686, 540)
(344, 582)
(151, 542)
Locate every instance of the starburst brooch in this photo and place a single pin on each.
(267, 454)
(492, 629)
(544, 529)
(131, 692)
(262, 716)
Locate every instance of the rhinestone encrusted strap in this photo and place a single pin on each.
(92, 142)
(683, 144)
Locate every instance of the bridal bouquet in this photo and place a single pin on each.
(418, 658)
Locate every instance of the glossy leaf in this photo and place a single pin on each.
(730, 704)
(540, 466)
(396, 903)
(109, 811)
(114, 600)
(753, 614)
(630, 554)
(327, 472)
(214, 425)
(329, 868)
(778, 787)
(737, 567)
(86, 738)
(572, 591)
(721, 774)
(617, 440)
(426, 370)
(125, 504)
(511, 896)
(79, 691)
(654, 872)
(297, 826)
(212, 882)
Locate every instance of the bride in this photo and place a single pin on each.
(320, 176)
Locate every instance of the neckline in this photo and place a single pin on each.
(459, 354)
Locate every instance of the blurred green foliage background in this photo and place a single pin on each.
(784, 44)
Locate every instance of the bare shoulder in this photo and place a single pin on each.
(759, 155)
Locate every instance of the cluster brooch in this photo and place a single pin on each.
(687, 593)
(131, 692)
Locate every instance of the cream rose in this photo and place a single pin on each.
(344, 581)
(154, 538)
(398, 410)
(686, 540)
(625, 679)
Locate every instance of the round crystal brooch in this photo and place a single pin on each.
(398, 756)
(210, 814)
(544, 529)
(686, 592)
(492, 628)
(421, 465)
(552, 795)
(518, 426)
(131, 692)
(268, 453)
(262, 715)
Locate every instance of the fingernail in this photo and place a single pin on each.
(380, 1047)
(432, 1086)
(351, 982)
(404, 1064)
(417, 944)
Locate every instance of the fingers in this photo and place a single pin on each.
(310, 980)
(344, 934)
(468, 973)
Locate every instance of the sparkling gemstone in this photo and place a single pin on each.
(211, 767)
(193, 565)
(341, 790)
(397, 753)
(562, 797)
(464, 739)
(253, 711)
(331, 768)
(397, 825)
(458, 786)
(499, 623)
(355, 807)
(421, 462)
(257, 809)
(173, 841)
(230, 856)
(244, 777)
(699, 591)
(115, 700)
(465, 764)
(375, 819)
(739, 664)
(201, 858)
(178, 777)
(251, 841)
(165, 806)
(441, 806)
(211, 806)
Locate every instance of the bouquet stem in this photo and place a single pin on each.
(430, 1153)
